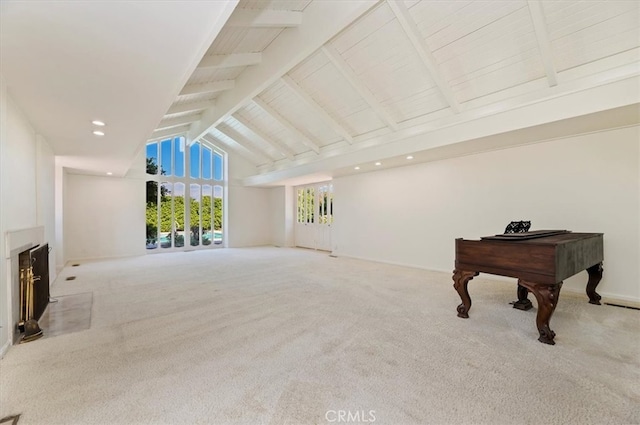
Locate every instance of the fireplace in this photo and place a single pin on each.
(17, 242)
(33, 287)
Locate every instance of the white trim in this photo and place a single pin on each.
(264, 18)
(5, 349)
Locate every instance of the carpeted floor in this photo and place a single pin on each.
(289, 336)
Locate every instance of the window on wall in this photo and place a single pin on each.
(306, 205)
(325, 204)
(184, 194)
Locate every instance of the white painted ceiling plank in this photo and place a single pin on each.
(230, 60)
(323, 20)
(187, 107)
(285, 150)
(535, 7)
(271, 128)
(258, 157)
(266, 18)
(318, 77)
(241, 140)
(409, 27)
(285, 123)
(328, 119)
(237, 148)
(207, 75)
(176, 122)
(600, 51)
(169, 132)
(212, 87)
(348, 74)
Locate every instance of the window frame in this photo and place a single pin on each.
(187, 181)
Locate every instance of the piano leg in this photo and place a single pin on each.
(595, 275)
(461, 279)
(523, 302)
(547, 296)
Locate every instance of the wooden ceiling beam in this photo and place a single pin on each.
(304, 138)
(169, 132)
(264, 18)
(322, 21)
(257, 133)
(242, 140)
(338, 61)
(540, 26)
(212, 87)
(426, 57)
(308, 100)
(176, 122)
(215, 136)
(230, 60)
(189, 107)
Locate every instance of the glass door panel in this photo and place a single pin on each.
(178, 215)
(166, 214)
(194, 214)
(207, 214)
(218, 231)
(152, 214)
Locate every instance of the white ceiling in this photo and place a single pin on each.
(67, 63)
(307, 89)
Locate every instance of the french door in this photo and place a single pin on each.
(314, 216)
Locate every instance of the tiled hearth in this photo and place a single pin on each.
(71, 313)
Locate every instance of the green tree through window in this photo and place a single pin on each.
(169, 166)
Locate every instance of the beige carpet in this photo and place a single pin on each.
(286, 336)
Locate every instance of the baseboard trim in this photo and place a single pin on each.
(5, 349)
(606, 296)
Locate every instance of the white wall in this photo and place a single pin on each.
(249, 217)
(45, 189)
(103, 217)
(5, 314)
(26, 191)
(282, 218)
(411, 215)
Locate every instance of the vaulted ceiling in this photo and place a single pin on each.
(316, 87)
(290, 82)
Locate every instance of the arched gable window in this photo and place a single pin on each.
(184, 194)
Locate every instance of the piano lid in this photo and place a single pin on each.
(525, 235)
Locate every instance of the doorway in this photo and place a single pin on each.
(314, 216)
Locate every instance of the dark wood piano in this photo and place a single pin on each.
(540, 260)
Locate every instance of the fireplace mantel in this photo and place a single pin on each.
(20, 240)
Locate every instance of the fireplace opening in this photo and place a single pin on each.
(33, 290)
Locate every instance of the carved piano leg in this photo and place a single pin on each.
(547, 296)
(595, 275)
(523, 302)
(461, 279)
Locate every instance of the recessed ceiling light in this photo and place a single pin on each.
(98, 133)
(97, 122)
(356, 168)
(409, 157)
(378, 163)
(109, 173)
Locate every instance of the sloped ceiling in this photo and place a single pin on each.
(309, 89)
(311, 86)
(67, 63)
